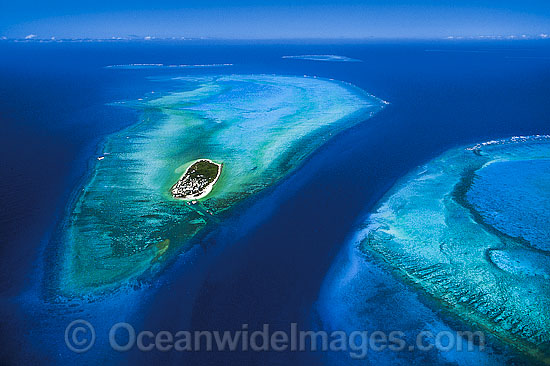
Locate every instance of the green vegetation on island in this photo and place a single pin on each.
(198, 180)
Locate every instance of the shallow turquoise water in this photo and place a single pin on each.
(124, 223)
(468, 228)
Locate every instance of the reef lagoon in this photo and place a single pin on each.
(119, 122)
(470, 229)
(125, 224)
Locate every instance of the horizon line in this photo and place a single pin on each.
(512, 37)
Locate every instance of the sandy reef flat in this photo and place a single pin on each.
(261, 127)
(446, 228)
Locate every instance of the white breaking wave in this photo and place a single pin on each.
(328, 58)
(510, 140)
(154, 66)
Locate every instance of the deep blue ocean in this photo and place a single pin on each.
(267, 263)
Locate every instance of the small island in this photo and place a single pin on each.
(197, 181)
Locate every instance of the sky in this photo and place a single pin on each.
(272, 19)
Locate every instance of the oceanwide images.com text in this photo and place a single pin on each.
(80, 336)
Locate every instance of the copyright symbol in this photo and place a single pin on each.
(79, 336)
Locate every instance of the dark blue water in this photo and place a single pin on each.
(267, 263)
